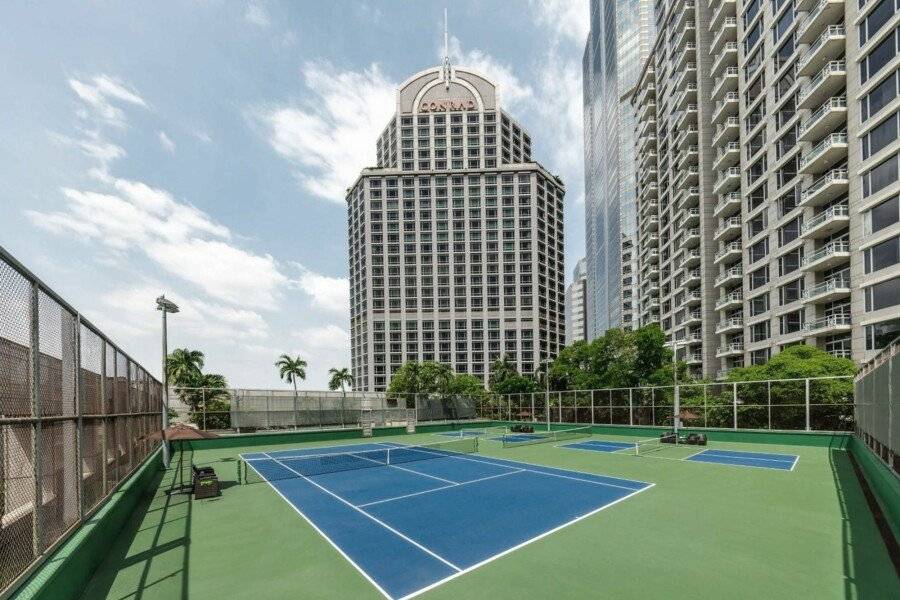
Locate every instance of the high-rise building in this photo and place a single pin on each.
(620, 39)
(767, 157)
(576, 307)
(456, 237)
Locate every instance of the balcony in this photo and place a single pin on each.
(827, 152)
(648, 93)
(826, 118)
(826, 188)
(726, 8)
(693, 337)
(726, 107)
(829, 290)
(688, 159)
(688, 75)
(730, 276)
(728, 253)
(728, 180)
(691, 298)
(731, 300)
(727, 82)
(828, 256)
(691, 238)
(692, 277)
(692, 318)
(691, 173)
(691, 217)
(829, 46)
(648, 207)
(650, 191)
(647, 110)
(687, 137)
(692, 259)
(685, 117)
(827, 222)
(728, 229)
(646, 142)
(732, 349)
(688, 54)
(826, 13)
(830, 325)
(727, 131)
(727, 33)
(653, 256)
(726, 58)
(692, 198)
(694, 358)
(727, 205)
(827, 82)
(652, 223)
(730, 325)
(727, 155)
(685, 36)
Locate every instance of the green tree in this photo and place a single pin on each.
(420, 378)
(182, 365)
(291, 369)
(506, 379)
(340, 379)
(207, 396)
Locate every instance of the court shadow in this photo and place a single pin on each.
(153, 548)
(868, 571)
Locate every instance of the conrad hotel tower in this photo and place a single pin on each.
(456, 237)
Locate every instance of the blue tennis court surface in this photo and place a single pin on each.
(599, 446)
(762, 460)
(410, 526)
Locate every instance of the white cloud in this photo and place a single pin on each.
(327, 337)
(99, 94)
(567, 18)
(512, 92)
(257, 15)
(327, 293)
(332, 137)
(559, 101)
(166, 142)
(183, 240)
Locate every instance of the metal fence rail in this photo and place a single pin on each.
(75, 415)
(245, 410)
(877, 388)
(813, 404)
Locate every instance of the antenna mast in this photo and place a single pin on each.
(446, 54)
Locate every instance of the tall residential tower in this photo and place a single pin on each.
(620, 39)
(456, 237)
(767, 152)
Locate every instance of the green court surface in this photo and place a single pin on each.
(703, 531)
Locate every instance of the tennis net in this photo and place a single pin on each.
(514, 438)
(286, 466)
(652, 445)
(483, 431)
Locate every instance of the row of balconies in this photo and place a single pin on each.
(727, 32)
(723, 10)
(825, 13)
(830, 45)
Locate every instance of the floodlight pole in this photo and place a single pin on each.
(677, 397)
(165, 306)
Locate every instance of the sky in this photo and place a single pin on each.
(201, 149)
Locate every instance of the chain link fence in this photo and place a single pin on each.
(813, 404)
(877, 422)
(75, 416)
(246, 411)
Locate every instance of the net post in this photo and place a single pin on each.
(807, 404)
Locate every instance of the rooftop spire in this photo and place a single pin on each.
(446, 54)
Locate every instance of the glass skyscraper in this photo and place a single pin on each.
(619, 42)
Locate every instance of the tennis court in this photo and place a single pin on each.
(412, 517)
(759, 460)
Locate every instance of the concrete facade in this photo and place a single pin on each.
(456, 238)
(576, 307)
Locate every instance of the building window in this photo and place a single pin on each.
(759, 304)
(884, 214)
(876, 19)
(792, 322)
(759, 250)
(883, 294)
(760, 357)
(883, 255)
(879, 97)
(790, 262)
(759, 331)
(879, 136)
(790, 292)
(881, 334)
(789, 232)
(878, 57)
(759, 277)
(880, 176)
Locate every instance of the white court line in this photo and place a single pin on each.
(522, 545)
(376, 519)
(796, 460)
(443, 487)
(322, 533)
(694, 454)
(387, 464)
(621, 487)
(731, 456)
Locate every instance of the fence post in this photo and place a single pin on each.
(610, 408)
(36, 451)
(509, 408)
(592, 407)
(533, 416)
(630, 407)
(79, 426)
(321, 416)
(734, 405)
(807, 404)
(268, 412)
(203, 397)
(769, 400)
(704, 406)
(237, 412)
(104, 421)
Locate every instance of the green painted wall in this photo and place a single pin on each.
(68, 570)
(885, 485)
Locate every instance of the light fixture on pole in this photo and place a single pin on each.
(676, 406)
(165, 306)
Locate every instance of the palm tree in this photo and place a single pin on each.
(291, 369)
(183, 364)
(339, 379)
